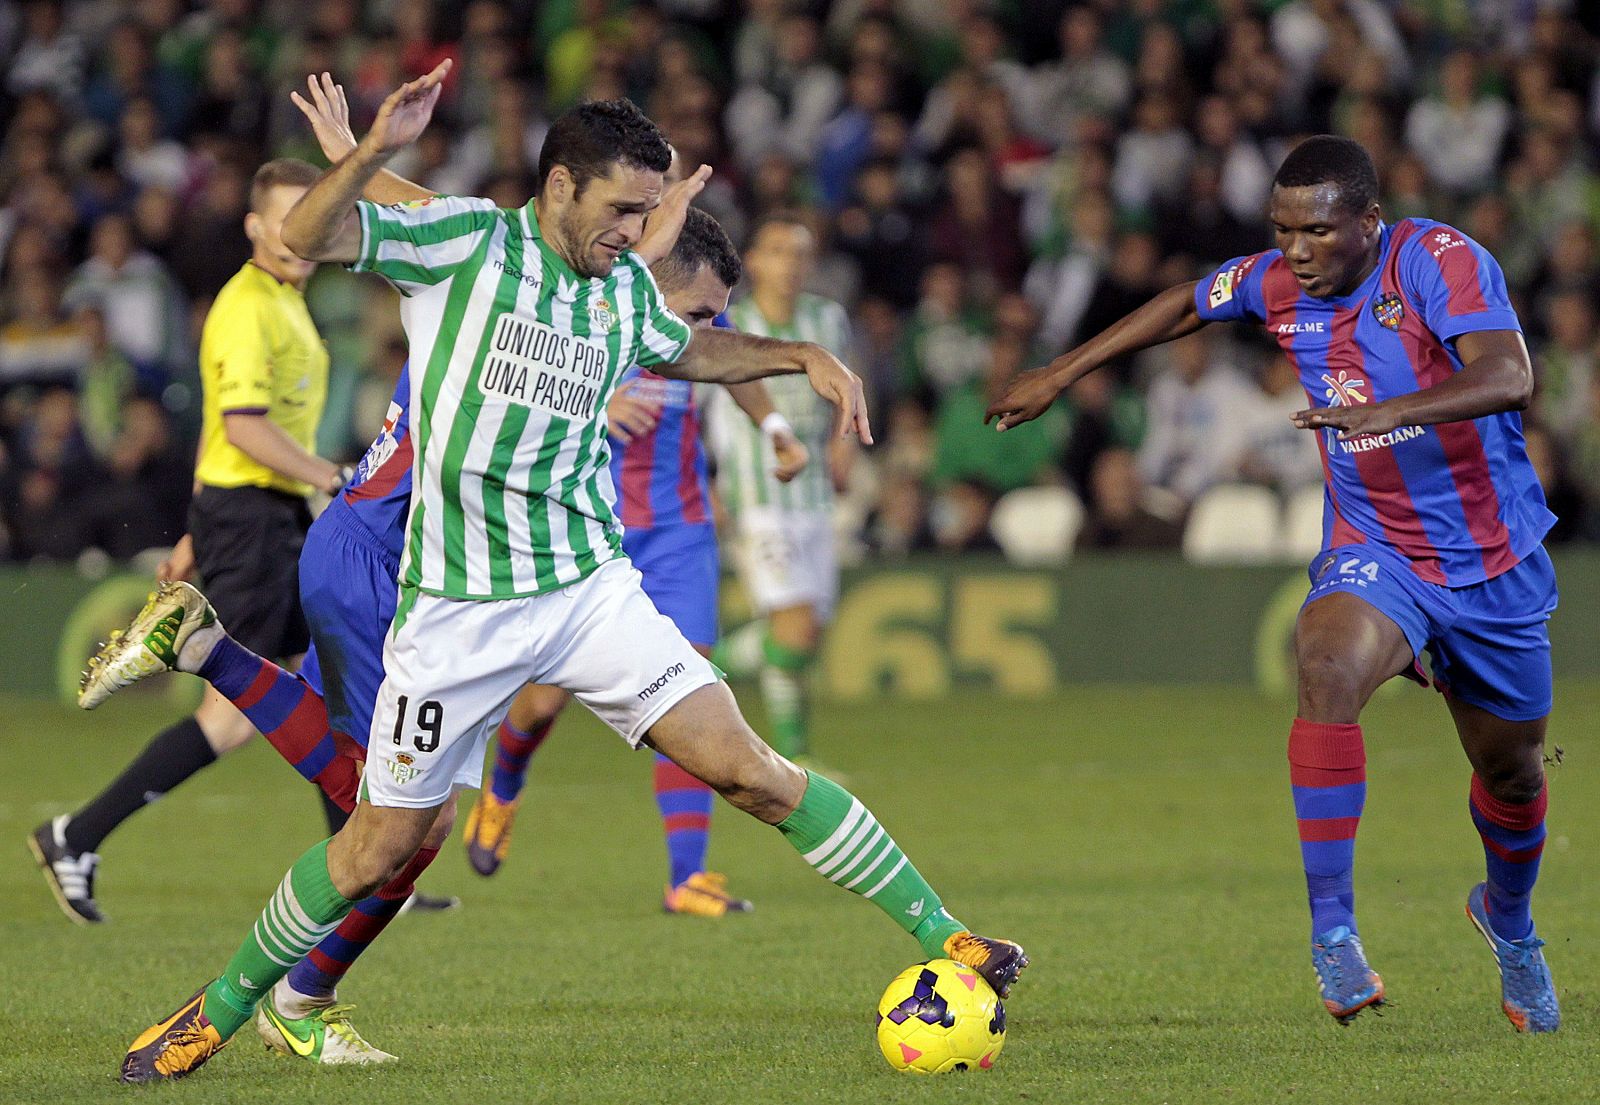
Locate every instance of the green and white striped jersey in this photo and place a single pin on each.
(513, 359)
(744, 455)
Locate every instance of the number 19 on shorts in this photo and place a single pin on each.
(429, 723)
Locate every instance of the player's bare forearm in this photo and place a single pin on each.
(391, 187)
(1168, 316)
(1165, 318)
(1496, 376)
(717, 356)
(727, 357)
(266, 443)
(753, 398)
(322, 225)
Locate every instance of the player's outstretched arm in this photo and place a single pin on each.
(328, 112)
(753, 398)
(1170, 315)
(1496, 376)
(322, 226)
(716, 356)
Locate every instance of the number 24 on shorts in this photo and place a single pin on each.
(1347, 568)
(430, 719)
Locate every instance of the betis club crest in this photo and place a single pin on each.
(602, 316)
(1389, 310)
(403, 769)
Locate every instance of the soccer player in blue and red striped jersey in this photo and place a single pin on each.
(1415, 366)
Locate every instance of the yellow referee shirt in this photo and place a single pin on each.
(260, 353)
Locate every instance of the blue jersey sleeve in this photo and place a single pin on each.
(1455, 283)
(1233, 292)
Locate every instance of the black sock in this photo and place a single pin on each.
(175, 754)
(336, 817)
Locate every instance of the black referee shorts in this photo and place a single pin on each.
(247, 546)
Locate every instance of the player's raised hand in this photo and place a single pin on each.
(328, 112)
(628, 416)
(661, 230)
(1351, 421)
(404, 115)
(841, 387)
(792, 455)
(1026, 397)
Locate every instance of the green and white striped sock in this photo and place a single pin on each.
(739, 651)
(837, 835)
(785, 690)
(303, 910)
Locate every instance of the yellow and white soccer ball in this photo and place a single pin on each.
(940, 1016)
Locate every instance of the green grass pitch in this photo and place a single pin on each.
(1139, 841)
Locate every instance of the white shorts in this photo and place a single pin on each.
(452, 667)
(788, 558)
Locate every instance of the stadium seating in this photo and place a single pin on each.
(1037, 525)
(1234, 524)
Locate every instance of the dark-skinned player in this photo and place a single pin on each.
(1414, 363)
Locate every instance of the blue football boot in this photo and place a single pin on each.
(1347, 983)
(1527, 993)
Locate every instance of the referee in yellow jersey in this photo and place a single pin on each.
(264, 370)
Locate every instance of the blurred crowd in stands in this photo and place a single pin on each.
(989, 183)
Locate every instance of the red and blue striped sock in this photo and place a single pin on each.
(1513, 841)
(1328, 775)
(319, 972)
(289, 714)
(513, 749)
(685, 805)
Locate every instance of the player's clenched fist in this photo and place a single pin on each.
(1026, 397)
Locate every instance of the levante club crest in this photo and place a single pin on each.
(1389, 310)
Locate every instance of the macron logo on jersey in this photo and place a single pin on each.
(666, 677)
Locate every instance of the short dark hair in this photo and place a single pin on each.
(1329, 159)
(778, 216)
(290, 171)
(702, 242)
(594, 136)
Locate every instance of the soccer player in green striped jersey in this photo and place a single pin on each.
(784, 538)
(520, 322)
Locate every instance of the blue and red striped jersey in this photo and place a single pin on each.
(378, 496)
(1459, 500)
(660, 476)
